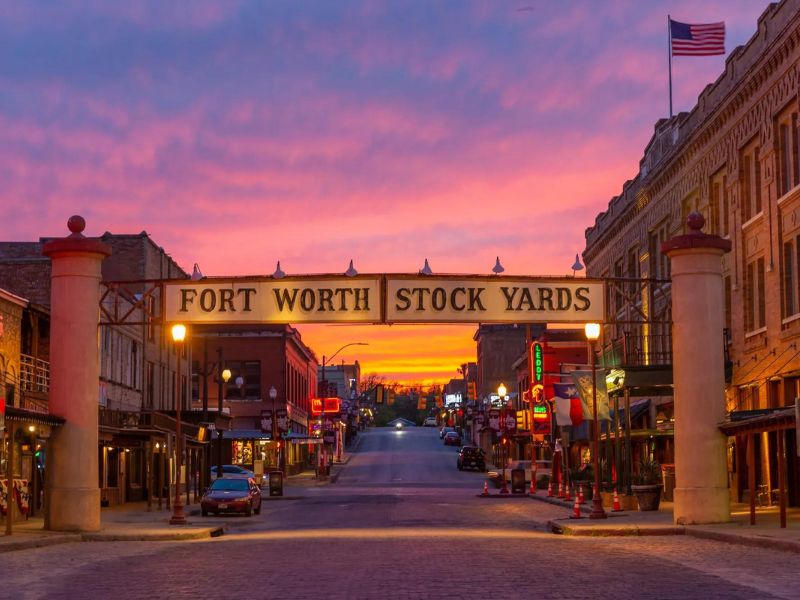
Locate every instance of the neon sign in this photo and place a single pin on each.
(537, 363)
(328, 406)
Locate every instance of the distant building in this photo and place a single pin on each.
(342, 380)
(498, 347)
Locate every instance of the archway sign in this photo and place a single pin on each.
(385, 299)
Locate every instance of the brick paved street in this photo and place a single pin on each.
(401, 522)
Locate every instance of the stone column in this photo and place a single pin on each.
(74, 495)
(698, 320)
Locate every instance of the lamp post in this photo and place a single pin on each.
(222, 382)
(273, 394)
(178, 518)
(592, 331)
(501, 391)
(325, 387)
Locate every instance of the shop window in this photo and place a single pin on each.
(135, 468)
(242, 452)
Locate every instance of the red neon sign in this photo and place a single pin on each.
(325, 406)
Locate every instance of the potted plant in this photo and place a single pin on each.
(647, 485)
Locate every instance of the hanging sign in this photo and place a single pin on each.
(510, 424)
(494, 419)
(282, 421)
(536, 362)
(266, 422)
(541, 419)
(384, 299)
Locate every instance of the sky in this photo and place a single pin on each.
(240, 133)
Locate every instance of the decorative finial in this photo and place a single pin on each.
(197, 274)
(695, 221)
(76, 225)
(278, 274)
(498, 268)
(577, 265)
(351, 271)
(426, 269)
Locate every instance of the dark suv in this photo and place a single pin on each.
(471, 456)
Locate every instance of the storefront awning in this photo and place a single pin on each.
(641, 381)
(29, 416)
(757, 421)
(245, 434)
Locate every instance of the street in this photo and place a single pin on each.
(400, 522)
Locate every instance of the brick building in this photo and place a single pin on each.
(733, 158)
(498, 346)
(260, 358)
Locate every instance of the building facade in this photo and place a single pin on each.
(735, 158)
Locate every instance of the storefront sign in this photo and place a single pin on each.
(541, 419)
(385, 299)
(282, 421)
(494, 419)
(510, 420)
(266, 421)
(329, 406)
(537, 363)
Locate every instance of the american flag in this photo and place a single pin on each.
(699, 39)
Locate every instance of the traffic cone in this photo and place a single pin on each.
(576, 510)
(567, 496)
(532, 490)
(485, 489)
(616, 507)
(560, 489)
(581, 498)
(549, 489)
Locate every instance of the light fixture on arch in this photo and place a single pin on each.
(497, 268)
(197, 274)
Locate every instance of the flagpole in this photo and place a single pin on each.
(669, 38)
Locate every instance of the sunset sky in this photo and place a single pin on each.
(242, 133)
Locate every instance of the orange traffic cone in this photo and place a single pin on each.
(581, 498)
(485, 489)
(567, 496)
(560, 489)
(616, 507)
(549, 489)
(576, 510)
(532, 490)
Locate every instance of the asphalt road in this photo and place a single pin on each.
(401, 522)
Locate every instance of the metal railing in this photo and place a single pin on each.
(34, 374)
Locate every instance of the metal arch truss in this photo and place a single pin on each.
(131, 302)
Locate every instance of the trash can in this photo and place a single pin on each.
(518, 481)
(275, 483)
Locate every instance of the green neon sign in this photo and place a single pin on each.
(537, 362)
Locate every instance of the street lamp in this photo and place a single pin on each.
(178, 518)
(325, 387)
(501, 391)
(225, 375)
(592, 331)
(273, 394)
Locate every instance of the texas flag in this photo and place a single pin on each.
(569, 410)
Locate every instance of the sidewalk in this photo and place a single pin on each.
(766, 533)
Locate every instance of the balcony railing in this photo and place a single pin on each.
(34, 374)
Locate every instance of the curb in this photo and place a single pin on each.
(196, 534)
(623, 531)
(745, 540)
(503, 496)
(40, 542)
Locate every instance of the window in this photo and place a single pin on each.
(150, 308)
(618, 286)
(659, 263)
(728, 295)
(788, 169)
(718, 205)
(134, 366)
(195, 380)
(750, 182)
(755, 307)
(150, 378)
(250, 372)
(748, 397)
(789, 280)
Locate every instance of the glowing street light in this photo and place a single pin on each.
(178, 517)
(592, 331)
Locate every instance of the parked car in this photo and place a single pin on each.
(429, 422)
(471, 457)
(543, 468)
(444, 431)
(231, 495)
(451, 438)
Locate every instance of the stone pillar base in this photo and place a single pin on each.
(74, 509)
(698, 506)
